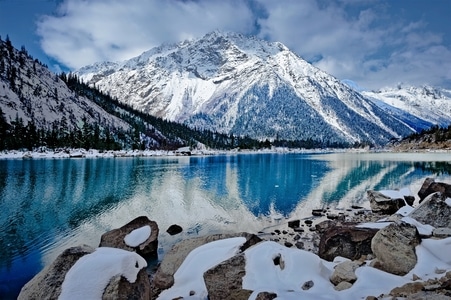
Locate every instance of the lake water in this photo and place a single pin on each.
(48, 205)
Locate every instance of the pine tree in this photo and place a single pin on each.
(4, 131)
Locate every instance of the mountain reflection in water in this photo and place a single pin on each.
(48, 205)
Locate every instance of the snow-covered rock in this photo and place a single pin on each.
(139, 235)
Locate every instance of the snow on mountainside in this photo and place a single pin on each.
(30, 92)
(425, 106)
(242, 85)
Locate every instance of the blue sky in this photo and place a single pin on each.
(376, 43)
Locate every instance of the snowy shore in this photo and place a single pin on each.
(82, 153)
(93, 153)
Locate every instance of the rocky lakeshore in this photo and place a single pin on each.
(398, 248)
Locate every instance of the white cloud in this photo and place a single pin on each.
(83, 32)
(370, 47)
(362, 40)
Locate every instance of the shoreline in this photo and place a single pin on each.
(93, 153)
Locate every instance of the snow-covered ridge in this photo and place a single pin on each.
(236, 84)
(425, 106)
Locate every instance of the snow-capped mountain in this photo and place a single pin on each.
(245, 86)
(421, 107)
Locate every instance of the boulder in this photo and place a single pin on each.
(294, 223)
(164, 276)
(174, 229)
(344, 285)
(324, 225)
(433, 211)
(383, 204)
(344, 272)
(47, 283)
(266, 296)
(345, 240)
(119, 288)
(226, 278)
(147, 248)
(307, 285)
(394, 248)
(424, 187)
(317, 212)
(430, 186)
(407, 289)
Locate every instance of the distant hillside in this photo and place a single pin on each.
(435, 138)
(419, 107)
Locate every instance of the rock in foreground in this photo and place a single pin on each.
(394, 247)
(116, 238)
(164, 277)
(346, 240)
(84, 273)
(385, 204)
(47, 283)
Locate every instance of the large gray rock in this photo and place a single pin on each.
(345, 240)
(164, 277)
(47, 283)
(115, 237)
(433, 211)
(383, 204)
(226, 278)
(430, 186)
(394, 248)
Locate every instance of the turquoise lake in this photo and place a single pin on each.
(48, 205)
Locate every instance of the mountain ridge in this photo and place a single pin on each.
(424, 106)
(239, 85)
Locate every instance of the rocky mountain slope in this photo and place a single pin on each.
(245, 86)
(30, 92)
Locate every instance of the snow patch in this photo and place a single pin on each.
(448, 201)
(376, 225)
(396, 194)
(295, 267)
(138, 236)
(405, 210)
(189, 276)
(422, 228)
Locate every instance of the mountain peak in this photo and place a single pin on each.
(232, 83)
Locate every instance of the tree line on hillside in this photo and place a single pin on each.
(17, 135)
(435, 134)
(168, 134)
